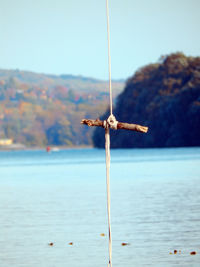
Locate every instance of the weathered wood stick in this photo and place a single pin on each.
(132, 127)
(120, 125)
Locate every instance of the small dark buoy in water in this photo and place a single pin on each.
(193, 253)
(102, 234)
(70, 243)
(51, 244)
(175, 251)
(48, 149)
(125, 244)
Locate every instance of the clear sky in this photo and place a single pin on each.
(69, 36)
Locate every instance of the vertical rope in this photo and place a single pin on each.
(107, 147)
(107, 140)
(109, 56)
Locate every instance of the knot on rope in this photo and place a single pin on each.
(111, 122)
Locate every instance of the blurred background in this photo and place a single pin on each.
(53, 70)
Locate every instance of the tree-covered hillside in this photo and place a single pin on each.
(165, 97)
(38, 109)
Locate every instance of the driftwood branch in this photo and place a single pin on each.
(120, 125)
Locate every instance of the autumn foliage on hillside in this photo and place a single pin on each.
(165, 97)
(39, 110)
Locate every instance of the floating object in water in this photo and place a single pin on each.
(51, 244)
(102, 234)
(193, 253)
(48, 149)
(71, 243)
(125, 244)
(175, 252)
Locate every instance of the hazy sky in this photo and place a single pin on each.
(69, 36)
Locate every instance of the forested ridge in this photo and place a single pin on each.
(39, 109)
(164, 96)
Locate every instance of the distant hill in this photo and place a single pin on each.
(68, 80)
(164, 96)
(40, 109)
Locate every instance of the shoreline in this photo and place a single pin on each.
(52, 148)
(20, 147)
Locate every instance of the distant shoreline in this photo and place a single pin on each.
(59, 148)
(52, 148)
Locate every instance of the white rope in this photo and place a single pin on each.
(107, 147)
(109, 56)
(110, 123)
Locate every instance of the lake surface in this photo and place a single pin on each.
(60, 197)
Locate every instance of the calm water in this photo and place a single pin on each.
(60, 197)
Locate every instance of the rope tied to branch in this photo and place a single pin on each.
(111, 122)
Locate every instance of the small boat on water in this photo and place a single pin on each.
(52, 149)
(48, 149)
